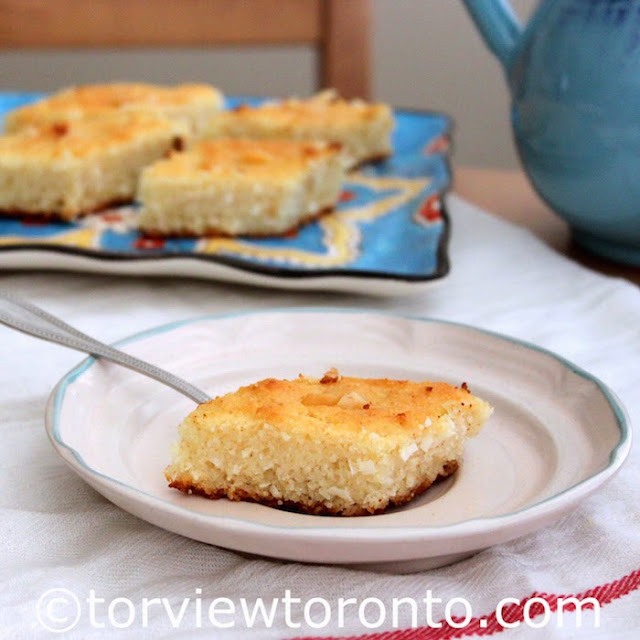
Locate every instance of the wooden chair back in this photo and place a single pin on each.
(338, 29)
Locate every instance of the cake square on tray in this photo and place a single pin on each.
(240, 187)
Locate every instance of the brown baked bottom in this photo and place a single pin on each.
(318, 509)
(370, 160)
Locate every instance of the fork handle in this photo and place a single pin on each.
(28, 318)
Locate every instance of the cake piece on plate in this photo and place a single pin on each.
(240, 187)
(67, 168)
(339, 445)
(363, 129)
(193, 104)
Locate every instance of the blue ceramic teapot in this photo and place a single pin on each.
(574, 77)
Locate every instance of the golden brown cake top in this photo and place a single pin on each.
(77, 139)
(98, 99)
(125, 94)
(263, 159)
(323, 110)
(353, 406)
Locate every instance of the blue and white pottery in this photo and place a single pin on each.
(574, 76)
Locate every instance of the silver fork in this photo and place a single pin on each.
(28, 318)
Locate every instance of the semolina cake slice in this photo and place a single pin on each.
(240, 187)
(338, 446)
(65, 169)
(192, 104)
(363, 129)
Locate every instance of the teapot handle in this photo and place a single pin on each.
(498, 25)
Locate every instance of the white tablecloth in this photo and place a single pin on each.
(59, 534)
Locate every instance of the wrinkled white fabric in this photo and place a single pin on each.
(57, 533)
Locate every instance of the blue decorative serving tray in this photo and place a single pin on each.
(388, 234)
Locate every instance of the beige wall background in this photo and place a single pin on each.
(426, 54)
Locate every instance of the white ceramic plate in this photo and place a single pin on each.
(556, 435)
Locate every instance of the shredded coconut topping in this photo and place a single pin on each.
(408, 451)
(330, 376)
(352, 400)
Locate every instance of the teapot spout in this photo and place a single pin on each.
(498, 25)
